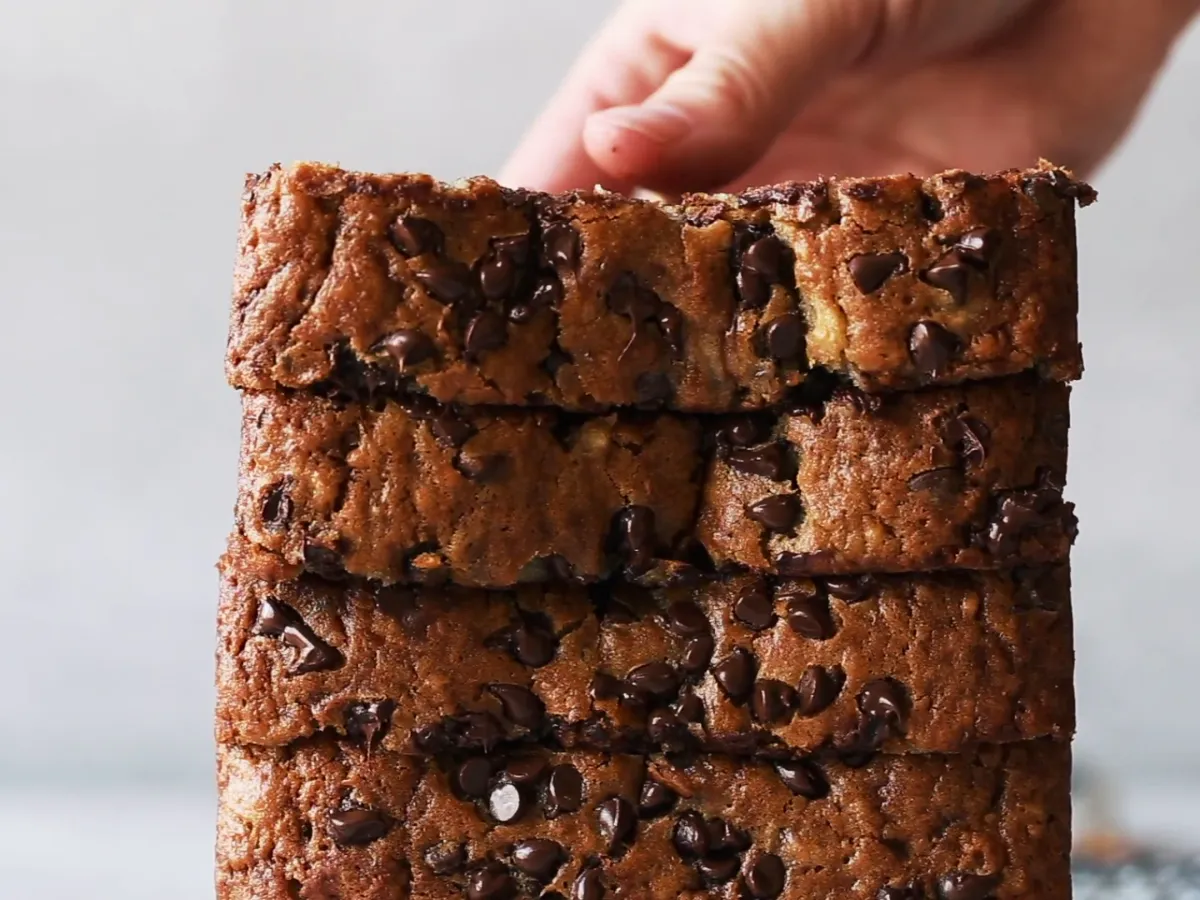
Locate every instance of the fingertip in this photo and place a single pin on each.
(630, 141)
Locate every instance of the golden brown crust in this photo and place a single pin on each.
(479, 295)
(318, 821)
(973, 657)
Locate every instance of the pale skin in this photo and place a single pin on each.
(688, 95)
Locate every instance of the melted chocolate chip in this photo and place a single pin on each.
(538, 857)
(547, 294)
(945, 483)
(634, 531)
(655, 799)
(356, 827)
(689, 708)
(771, 701)
(446, 857)
(500, 273)
(525, 771)
(588, 886)
(368, 722)
(952, 274)
(533, 644)
(718, 869)
(473, 777)
(978, 246)
(487, 331)
(276, 619)
(765, 876)
(447, 282)
(605, 686)
(931, 348)
(686, 619)
(809, 616)
(690, 835)
(725, 838)
(852, 589)
(479, 729)
(777, 513)
(817, 690)
(564, 790)
(521, 705)
(770, 461)
(754, 608)
(753, 290)
(505, 803)
(784, 338)
(492, 882)
(696, 654)
(743, 432)
(325, 562)
(658, 679)
(618, 822)
(869, 271)
(885, 701)
(735, 674)
(970, 438)
(413, 236)
(277, 507)
(768, 257)
(407, 347)
(561, 243)
(967, 886)
(803, 779)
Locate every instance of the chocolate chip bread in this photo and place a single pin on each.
(742, 664)
(321, 820)
(968, 476)
(476, 294)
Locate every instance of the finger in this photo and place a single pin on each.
(624, 64)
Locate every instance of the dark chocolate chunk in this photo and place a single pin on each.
(564, 790)
(945, 483)
(932, 348)
(561, 243)
(952, 274)
(473, 777)
(407, 347)
(765, 876)
(521, 705)
(533, 644)
(803, 778)
(487, 331)
(446, 857)
(588, 885)
(273, 617)
(357, 826)
(368, 721)
(967, 886)
(735, 674)
(413, 236)
(505, 803)
(618, 822)
(538, 857)
(447, 281)
(885, 701)
(869, 271)
(754, 608)
(809, 616)
(491, 882)
(690, 835)
(655, 799)
(970, 438)
(277, 619)
(771, 701)
(658, 679)
(776, 513)
(816, 691)
(686, 619)
(770, 461)
(784, 337)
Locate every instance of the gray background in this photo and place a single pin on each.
(125, 127)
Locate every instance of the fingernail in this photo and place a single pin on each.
(659, 123)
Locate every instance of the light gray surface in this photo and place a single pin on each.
(126, 129)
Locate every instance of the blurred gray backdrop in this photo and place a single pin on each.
(125, 128)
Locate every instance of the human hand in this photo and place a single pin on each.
(684, 95)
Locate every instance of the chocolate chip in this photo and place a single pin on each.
(564, 790)
(446, 281)
(696, 654)
(901, 892)
(816, 691)
(492, 882)
(723, 837)
(634, 531)
(777, 513)
(653, 387)
(561, 243)
(473, 777)
(273, 617)
(605, 686)
(487, 331)
(952, 274)
(277, 507)
(784, 338)
(771, 701)
(670, 323)
(532, 644)
(446, 857)
(789, 563)
(276, 619)
(765, 876)
(885, 701)
(754, 608)
(686, 619)
(743, 432)
(770, 461)
(432, 738)
(718, 869)
(809, 616)
(356, 827)
(618, 822)
(657, 679)
(770, 258)
(978, 246)
(664, 728)
(479, 729)
(499, 274)
(735, 674)
(655, 799)
(1020, 512)
(368, 722)
(967, 886)
(324, 562)
(853, 589)
(945, 483)
(753, 290)
(547, 294)
(451, 431)
(970, 438)
(932, 348)
(869, 271)
(803, 779)
(407, 347)
(521, 705)
(689, 708)
(413, 236)
(505, 803)
(538, 857)
(588, 886)
(525, 771)
(690, 835)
